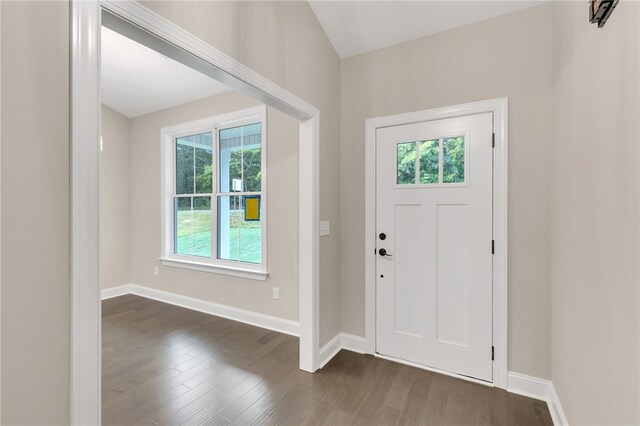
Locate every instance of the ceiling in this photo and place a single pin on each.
(137, 80)
(356, 27)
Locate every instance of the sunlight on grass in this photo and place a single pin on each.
(194, 236)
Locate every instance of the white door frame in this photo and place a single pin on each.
(499, 108)
(85, 130)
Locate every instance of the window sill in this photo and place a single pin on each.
(215, 269)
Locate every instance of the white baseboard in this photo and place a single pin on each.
(341, 341)
(530, 386)
(329, 350)
(241, 315)
(352, 343)
(557, 413)
(542, 389)
(121, 290)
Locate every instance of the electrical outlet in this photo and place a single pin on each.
(276, 293)
(156, 271)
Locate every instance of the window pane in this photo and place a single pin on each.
(240, 159)
(194, 164)
(453, 160)
(239, 228)
(406, 161)
(193, 226)
(182, 225)
(429, 161)
(184, 167)
(201, 227)
(203, 152)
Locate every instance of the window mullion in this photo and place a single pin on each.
(215, 187)
(440, 159)
(417, 166)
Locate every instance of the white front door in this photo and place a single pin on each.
(434, 273)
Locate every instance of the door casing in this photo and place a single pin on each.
(499, 108)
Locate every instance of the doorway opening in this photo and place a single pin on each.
(139, 24)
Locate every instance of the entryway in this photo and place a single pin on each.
(434, 241)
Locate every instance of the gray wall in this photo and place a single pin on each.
(284, 42)
(35, 212)
(506, 56)
(595, 275)
(586, 210)
(115, 199)
(282, 225)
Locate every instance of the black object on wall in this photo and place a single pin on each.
(600, 10)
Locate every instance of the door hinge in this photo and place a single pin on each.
(493, 353)
(493, 140)
(493, 246)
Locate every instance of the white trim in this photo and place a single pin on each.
(555, 407)
(211, 125)
(153, 30)
(541, 389)
(111, 292)
(330, 350)
(215, 269)
(352, 343)
(224, 311)
(309, 243)
(340, 341)
(499, 108)
(85, 359)
(530, 386)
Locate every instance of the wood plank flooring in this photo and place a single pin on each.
(167, 365)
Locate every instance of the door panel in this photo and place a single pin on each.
(434, 203)
(408, 291)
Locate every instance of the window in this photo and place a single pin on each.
(432, 162)
(214, 215)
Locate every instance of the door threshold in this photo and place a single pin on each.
(435, 370)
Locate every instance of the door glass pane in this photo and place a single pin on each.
(429, 161)
(406, 160)
(239, 228)
(240, 159)
(453, 160)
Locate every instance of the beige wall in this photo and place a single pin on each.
(509, 56)
(595, 275)
(35, 213)
(115, 199)
(284, 42)
(282, 225)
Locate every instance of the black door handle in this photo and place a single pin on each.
(383, 252)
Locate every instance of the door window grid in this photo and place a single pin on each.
(431, 161)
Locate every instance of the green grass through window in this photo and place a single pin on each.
(198, 242)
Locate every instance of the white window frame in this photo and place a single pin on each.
(168, 135)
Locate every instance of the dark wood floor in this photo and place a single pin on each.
(167, 365)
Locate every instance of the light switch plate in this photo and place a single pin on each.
(325, 228)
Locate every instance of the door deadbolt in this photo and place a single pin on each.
(382, 236)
